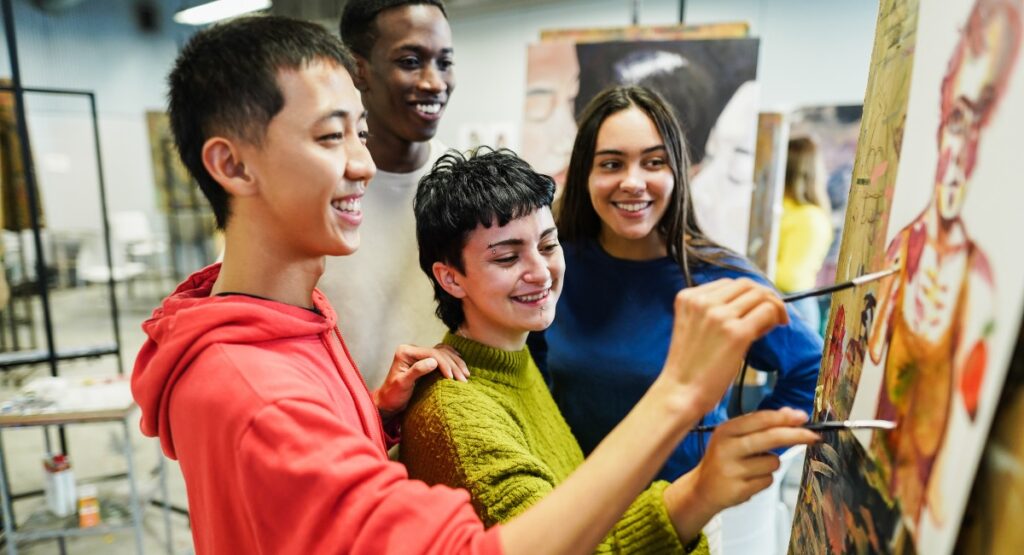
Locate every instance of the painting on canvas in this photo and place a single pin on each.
(930, 345)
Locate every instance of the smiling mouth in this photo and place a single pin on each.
(533, 298)
(632, 206)
(352, 206)
(429, 108)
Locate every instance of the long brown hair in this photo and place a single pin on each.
(578, 221)
(805, 175)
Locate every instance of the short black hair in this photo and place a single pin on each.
(225, 82)
(358, 24)
(461, 192)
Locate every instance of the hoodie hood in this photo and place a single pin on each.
(190, 320)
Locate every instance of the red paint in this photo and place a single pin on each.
(970, 378)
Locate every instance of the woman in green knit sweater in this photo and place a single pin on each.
(489, 244)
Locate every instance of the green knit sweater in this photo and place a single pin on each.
(502, 438)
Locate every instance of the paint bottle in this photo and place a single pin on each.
(59, 486)
(88, 507)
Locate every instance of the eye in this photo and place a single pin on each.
(364, 135)
(445, 64)
(550, 247)
(408, 62)
(506, 260)
(331, 137)
(609, 164)
(656, 163)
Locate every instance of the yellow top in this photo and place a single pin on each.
(805, 234)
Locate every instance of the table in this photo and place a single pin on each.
(80, 402)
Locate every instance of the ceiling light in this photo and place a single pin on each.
(217, 10)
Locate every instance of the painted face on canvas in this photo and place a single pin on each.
(630, 184)
(549, 123)
(512, 278)
(958, 147)
(312, 165)
(411, 73)
(972, 93)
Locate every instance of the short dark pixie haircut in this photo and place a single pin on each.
(461, 193)
(359, 21)
(224, 82)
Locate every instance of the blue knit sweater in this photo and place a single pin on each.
(610, 338)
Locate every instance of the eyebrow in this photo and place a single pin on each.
(615, 152)
(340, 114)
(419, 48)
(519, 242)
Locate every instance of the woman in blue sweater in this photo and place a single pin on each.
(631, 242)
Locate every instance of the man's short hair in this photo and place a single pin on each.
(224, 82)
(359, 21)
(462, 192)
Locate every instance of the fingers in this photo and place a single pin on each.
(759, 465)
(444, 358)
(425, 366)
(449, 358)
(775, 438)
(761, 420)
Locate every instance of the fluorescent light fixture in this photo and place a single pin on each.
(219, 9)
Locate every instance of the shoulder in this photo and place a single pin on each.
(729, 265)
(234, 375)
(456, 403)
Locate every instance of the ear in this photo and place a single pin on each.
(362, 68)
(223, 159)
(448, 277)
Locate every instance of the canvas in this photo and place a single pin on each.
(991, 522)
(711, 85)
(769, 184)
(930, 345)
(838, 510)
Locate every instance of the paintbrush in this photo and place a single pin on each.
(830, 425)
(839, 286)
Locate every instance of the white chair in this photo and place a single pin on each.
(91, 263)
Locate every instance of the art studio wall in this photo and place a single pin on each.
(811, 53)
(100, 46)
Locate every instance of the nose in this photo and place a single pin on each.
(431, 81)
(537, 270)
(633, 184)
(360, 166)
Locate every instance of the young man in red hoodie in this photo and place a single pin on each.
(248, 383)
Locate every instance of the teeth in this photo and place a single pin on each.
(429, 108)
(348, 205)
(632, 206)
(534, 297)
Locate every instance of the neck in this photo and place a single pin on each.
(393, 154)
(497, 339)
(645, 248)
(255, 266)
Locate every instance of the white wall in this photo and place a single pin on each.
(98, 46)
(812, 51)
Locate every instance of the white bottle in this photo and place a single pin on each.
(61, 496)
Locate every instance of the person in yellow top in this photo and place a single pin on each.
(805, 232)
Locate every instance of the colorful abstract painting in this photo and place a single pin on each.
(927, 347)
(839, 511)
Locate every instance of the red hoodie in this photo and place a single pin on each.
(279, 441)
